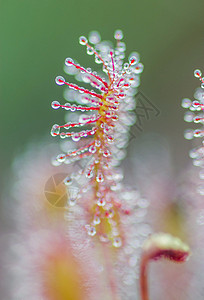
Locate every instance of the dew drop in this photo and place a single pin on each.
(91, 230)
(62, 135)
(94, 37)
(200, 189)
(59, 80)
(110, 138)
(103, 238)
(99, 177)
(139, 68)
(188, 134)
(198, 133)
(82, 40)
(186, 103)
(73, 108)
(189, 116)
(97, 143)
(61, 157)
(117, 242)
(197, 73)
(196, 104)
(101, 202)
(98, 60)
(96, 220)
(55, 162)
(72, 201)
(106, 153)
(143, 203)
(89, 174)
(92, 149)
(55, 130)
(114, 118)
(76, 138)
(133, 60)
(69, 61)
(109, 213)
(68, 180)
(89, 51)
(55, 104)
(118, 35)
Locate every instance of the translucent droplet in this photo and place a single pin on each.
(55, 162)
(197, 119)
(139, 68)
(73, 108)
(61, 157)
(118, 35)
(103, 238)
(55, 104)
(96, 220)
(133, 261)
(92, 149)
(114, 118)
(196, 104)
(72, 201)
(197, 73)
(91, 230)
(101, 202)
(186, 103)
(55, 130)
(89, 174)
(198, 133)
(59, 80)
(106, 153)
(83, 40)
(99, 177)
(200, 189)
(121, 48)
(94, 37)
(189, 116)
(109, 213)
(110, 138)
(133, 60)
(69, 61)
(188, 134)
(97, 143)
(98, 60)
(76, 138)
(89, 51)
(62, 135)
(117, 242)
(68, 180)
(135, 54)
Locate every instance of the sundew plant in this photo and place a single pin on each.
(102, 134)
(195, 114)
(96, 130)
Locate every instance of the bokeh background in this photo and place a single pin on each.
(37, 35)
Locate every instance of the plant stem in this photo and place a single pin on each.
(110, 275)
(143, 278)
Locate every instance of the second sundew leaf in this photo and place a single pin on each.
(104, 133)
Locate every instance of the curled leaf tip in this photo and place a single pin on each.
(163, 245)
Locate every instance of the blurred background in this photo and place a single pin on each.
(37, 35)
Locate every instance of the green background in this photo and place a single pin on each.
(36, 36)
